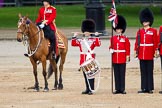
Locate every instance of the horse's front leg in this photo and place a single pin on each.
(36, 86)
(44, 63)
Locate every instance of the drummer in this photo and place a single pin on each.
(88, 26)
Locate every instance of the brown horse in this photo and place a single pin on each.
(38, 51)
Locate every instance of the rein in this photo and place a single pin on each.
(32, 52)
(26, 41)
(22, 31)
(28, 31)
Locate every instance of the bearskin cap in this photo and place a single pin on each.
(49, 1)
(88, 25)
(146, 15)
(122, 24)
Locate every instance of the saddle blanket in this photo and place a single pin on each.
(60, 42)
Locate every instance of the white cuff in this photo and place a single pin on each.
(111, 51)
(41, 25)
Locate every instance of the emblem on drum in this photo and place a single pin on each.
(91, 68)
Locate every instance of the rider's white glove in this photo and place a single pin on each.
(111, 51)
(41, 25)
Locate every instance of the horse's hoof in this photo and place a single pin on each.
(36, 89)
(45, 90)
(60, 87)
(55, 88)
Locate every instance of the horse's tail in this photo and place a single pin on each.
(50, 69)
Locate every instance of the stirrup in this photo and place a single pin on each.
(54, 56)
(26, 55)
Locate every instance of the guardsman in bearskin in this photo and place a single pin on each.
(88, 26)
(160, 43)
(146, 47)
(120, 49)
(46, 17)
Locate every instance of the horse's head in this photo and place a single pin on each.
(23, 30)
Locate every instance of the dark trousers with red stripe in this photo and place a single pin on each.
(119, 73)
(146, 69)
(49, 34)
(91, 83)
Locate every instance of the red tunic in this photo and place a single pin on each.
(93, 42)
(160, 43)
(121, 48)
(47, 14)
(148, 44)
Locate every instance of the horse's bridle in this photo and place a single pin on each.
(25, 38)
(26, 26)
(21, 32)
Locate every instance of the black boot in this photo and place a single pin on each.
(150, 92)
(142, 91)
(117, 92)
(90, 93)
(53, 55)
(123, 92)
(85, 92)
(52, 52)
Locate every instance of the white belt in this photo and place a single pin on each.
(119, 51)
(146, 44)
(86, 53)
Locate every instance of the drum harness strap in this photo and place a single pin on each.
(90, 56)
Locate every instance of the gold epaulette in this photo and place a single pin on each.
(53, 7)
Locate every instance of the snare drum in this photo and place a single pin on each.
(91, 68)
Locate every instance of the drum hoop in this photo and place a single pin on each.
(87, 62)
(93, 75)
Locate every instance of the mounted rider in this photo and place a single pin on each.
(45, 21)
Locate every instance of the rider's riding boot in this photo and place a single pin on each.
(53, 55)
(52, 52)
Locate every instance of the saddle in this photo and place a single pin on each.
(59, 41)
